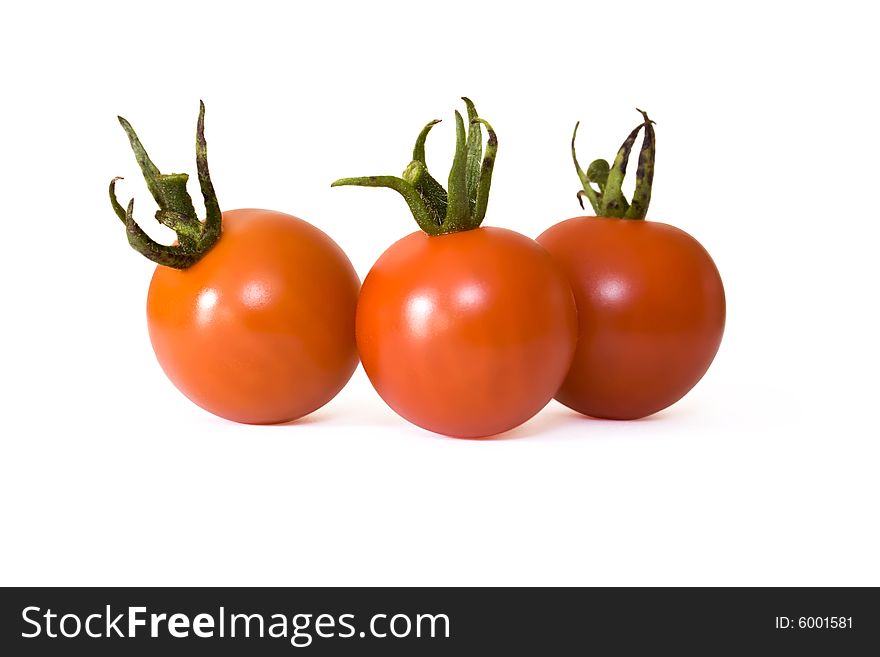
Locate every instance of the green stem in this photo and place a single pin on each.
(437, 211)
(176, 210)
(608, 200)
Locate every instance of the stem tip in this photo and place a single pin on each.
(645, 116)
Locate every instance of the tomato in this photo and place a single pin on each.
(464, 331)
(261, 330)
(651, 304)
(250, 312)
(651, 313)
(467, 334)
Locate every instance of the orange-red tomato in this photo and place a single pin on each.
(467, 334)
(651, 313)
(261, 329)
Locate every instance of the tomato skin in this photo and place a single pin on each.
(467, 334)
(651, 310)
(260, 330)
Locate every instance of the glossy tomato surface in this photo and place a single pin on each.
(651, 313)
(467, 334)
(260, 330)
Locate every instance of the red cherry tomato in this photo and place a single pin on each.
(250, 312)
(261, 329)
(651, 312)
(467, 334)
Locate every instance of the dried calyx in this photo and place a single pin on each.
(607, 197)
(194, 237)
(436, 210)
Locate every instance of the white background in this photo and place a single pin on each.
(766, 474)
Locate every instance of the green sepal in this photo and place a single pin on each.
(437, 211)
(608, 200)
(176, 211)
(474, 152)
(422, 214)
(644, 173)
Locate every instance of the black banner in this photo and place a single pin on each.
(445, 621)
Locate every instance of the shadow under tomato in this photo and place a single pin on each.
(315, 417)
(544, 422)
(557, 415)
(659, 416)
